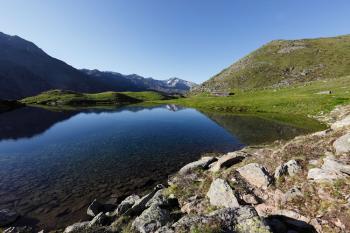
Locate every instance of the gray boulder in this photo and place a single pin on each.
(77, 227)
(151, 219)
(342, 123)
(126, 204)
(342, 144)
(7, 216)
(202, 163)
(322, 175)
(227, 160)
(335, 165)
(291, 168)
(99, 220)
(256, 175)
(221, 194)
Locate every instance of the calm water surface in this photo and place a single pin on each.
(53, 164)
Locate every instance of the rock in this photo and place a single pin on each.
(165, 229)
(151, 219)
(227, 160)
(126, 204)
(99, 220)
(24, 229)
(293, 167)
(342, 123)
(7, 216)
(140, 205)
(321, 175)
(76, 227)
(94, 208)
(242, 219)
(221, 194)
(280, 171)
(250, 199)
(342, 144)
(256, 175)
(335, 165)
(313, 162)
(202, 163)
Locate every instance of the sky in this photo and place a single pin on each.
(189, 39)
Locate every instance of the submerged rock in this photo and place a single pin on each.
(256, 175)
(7, 217)
(221, 194)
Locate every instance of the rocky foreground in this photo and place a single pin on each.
(302, 185)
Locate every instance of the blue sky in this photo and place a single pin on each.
(190, 39)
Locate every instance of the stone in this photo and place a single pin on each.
(342, 144)
(324, 93)
(227, 160)
(165, 229)
(256, 175)
(76, 227)
(140, 205)
(94, 208)
(293, 167)
(292, 194)
(99, 220)
(126, 204)
(322, 175)
(202, 163)
(342, 123)
(7, 217)
(243, 219)
(151, 219)
(250, 199)
(280, 171)
(335, 165)
(220, 194)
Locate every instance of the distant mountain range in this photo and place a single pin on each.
(285, 62)
(26, 70)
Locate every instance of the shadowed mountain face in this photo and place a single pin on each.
(26, 70)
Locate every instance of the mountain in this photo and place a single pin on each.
(26, 70)
(285, 62)
(135, 82)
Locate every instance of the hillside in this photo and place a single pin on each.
(70, 98)
(26, 70)
(285, 62)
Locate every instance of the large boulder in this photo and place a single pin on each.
(126, 204)
(202, 163)
(292, 167)
(227, 160)
(77, 227)
(243, 219)
(335, 165)
(256, 175)
(331, 170)
(221, 194)
(151, 219)
(342, 144)
(7, 216)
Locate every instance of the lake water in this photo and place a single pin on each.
(54, 163)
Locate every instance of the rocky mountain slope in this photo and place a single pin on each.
(285, 62)
(26, 70)
(135, 82)
(301, 185)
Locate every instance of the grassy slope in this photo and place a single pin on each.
(68, 98)
(299, 99)
(283, 62)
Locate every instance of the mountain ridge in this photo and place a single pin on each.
(26, 70)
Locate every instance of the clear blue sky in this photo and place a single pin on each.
(190, 39)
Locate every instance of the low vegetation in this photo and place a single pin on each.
(70, 98)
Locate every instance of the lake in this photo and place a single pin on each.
(54, 163)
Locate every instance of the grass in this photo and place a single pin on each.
(306, 60)
(299, 99)
(69, 98)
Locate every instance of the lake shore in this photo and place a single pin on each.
(299, 185)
